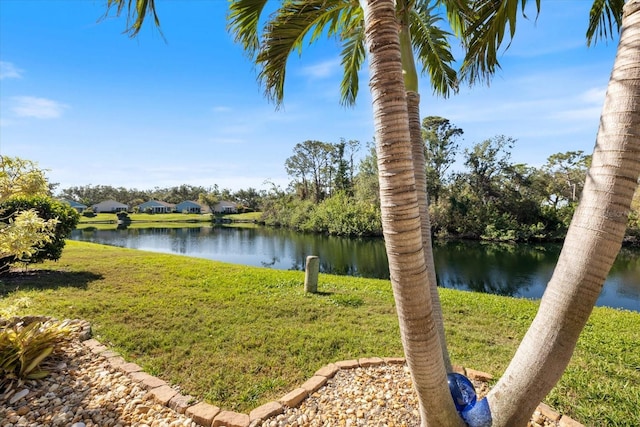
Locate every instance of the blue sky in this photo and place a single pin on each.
(95, 107)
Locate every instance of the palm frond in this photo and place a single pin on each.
(605, 18)
(340, 16)
(458, 15)
(295, 22)
(485, 31)
(353, 56)
(137, 11)
(243, 22)
(431, 44)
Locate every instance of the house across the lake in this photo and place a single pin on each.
(155, 206)
(225, 207)
(79, 207)
(160, 207)
(192, 207)
(109, 206)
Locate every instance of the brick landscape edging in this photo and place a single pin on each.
(208, 415)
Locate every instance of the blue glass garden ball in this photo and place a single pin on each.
(462, 391)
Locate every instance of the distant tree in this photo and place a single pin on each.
(566, 173)
(177, 194)
(341, 181)
(298, 168)
(494, 199)
(352, 147)
(226, 194)
(310, 164)
(90, 195)
(440, 147)
(344, 165)
(135, 202)
(486, 161)
(366, 186)
(249, 198)
(209, 200)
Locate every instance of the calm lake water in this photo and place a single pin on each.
(504, 269)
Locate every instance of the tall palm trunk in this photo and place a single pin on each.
(419, 169)
(419, 165)
(401, 217)
(592, 243)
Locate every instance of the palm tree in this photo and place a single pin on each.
(285, 32)
(300, 19)
(594, 237)
(402, 227)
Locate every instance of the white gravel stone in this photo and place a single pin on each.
(86, 392)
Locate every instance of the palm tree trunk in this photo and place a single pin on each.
(592, 243)
(401, 217)
(419, 165)
(410, 76)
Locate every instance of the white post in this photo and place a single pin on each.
(311, 274)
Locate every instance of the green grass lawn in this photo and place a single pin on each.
(145, 217)
(249, 216)
(108, 221)
(239, 336)
(169, 217)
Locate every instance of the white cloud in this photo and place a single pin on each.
(4, 122)
(322, 69)
(223, 140)
(590, 113)
(534, 49)
(594, 95)
(39, 108)
(587, 106)
(222, 109)
(9, 71)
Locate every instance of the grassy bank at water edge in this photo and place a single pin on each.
(166, 217)
(239, 336)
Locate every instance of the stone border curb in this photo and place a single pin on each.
(207, 415)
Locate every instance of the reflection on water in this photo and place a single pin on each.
(503, 269)
(497, 268)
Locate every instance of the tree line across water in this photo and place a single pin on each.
(489, 198)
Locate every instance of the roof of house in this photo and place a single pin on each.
(227, 203)
(160, 203)
(190, 202)
(73, 203)
(111, 203)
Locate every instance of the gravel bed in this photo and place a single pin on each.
(375, 396)
(85, 390)
(371, 396)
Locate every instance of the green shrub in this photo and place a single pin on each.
(123, 216)
(339, 215)
(25, 346)
(46, 208)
